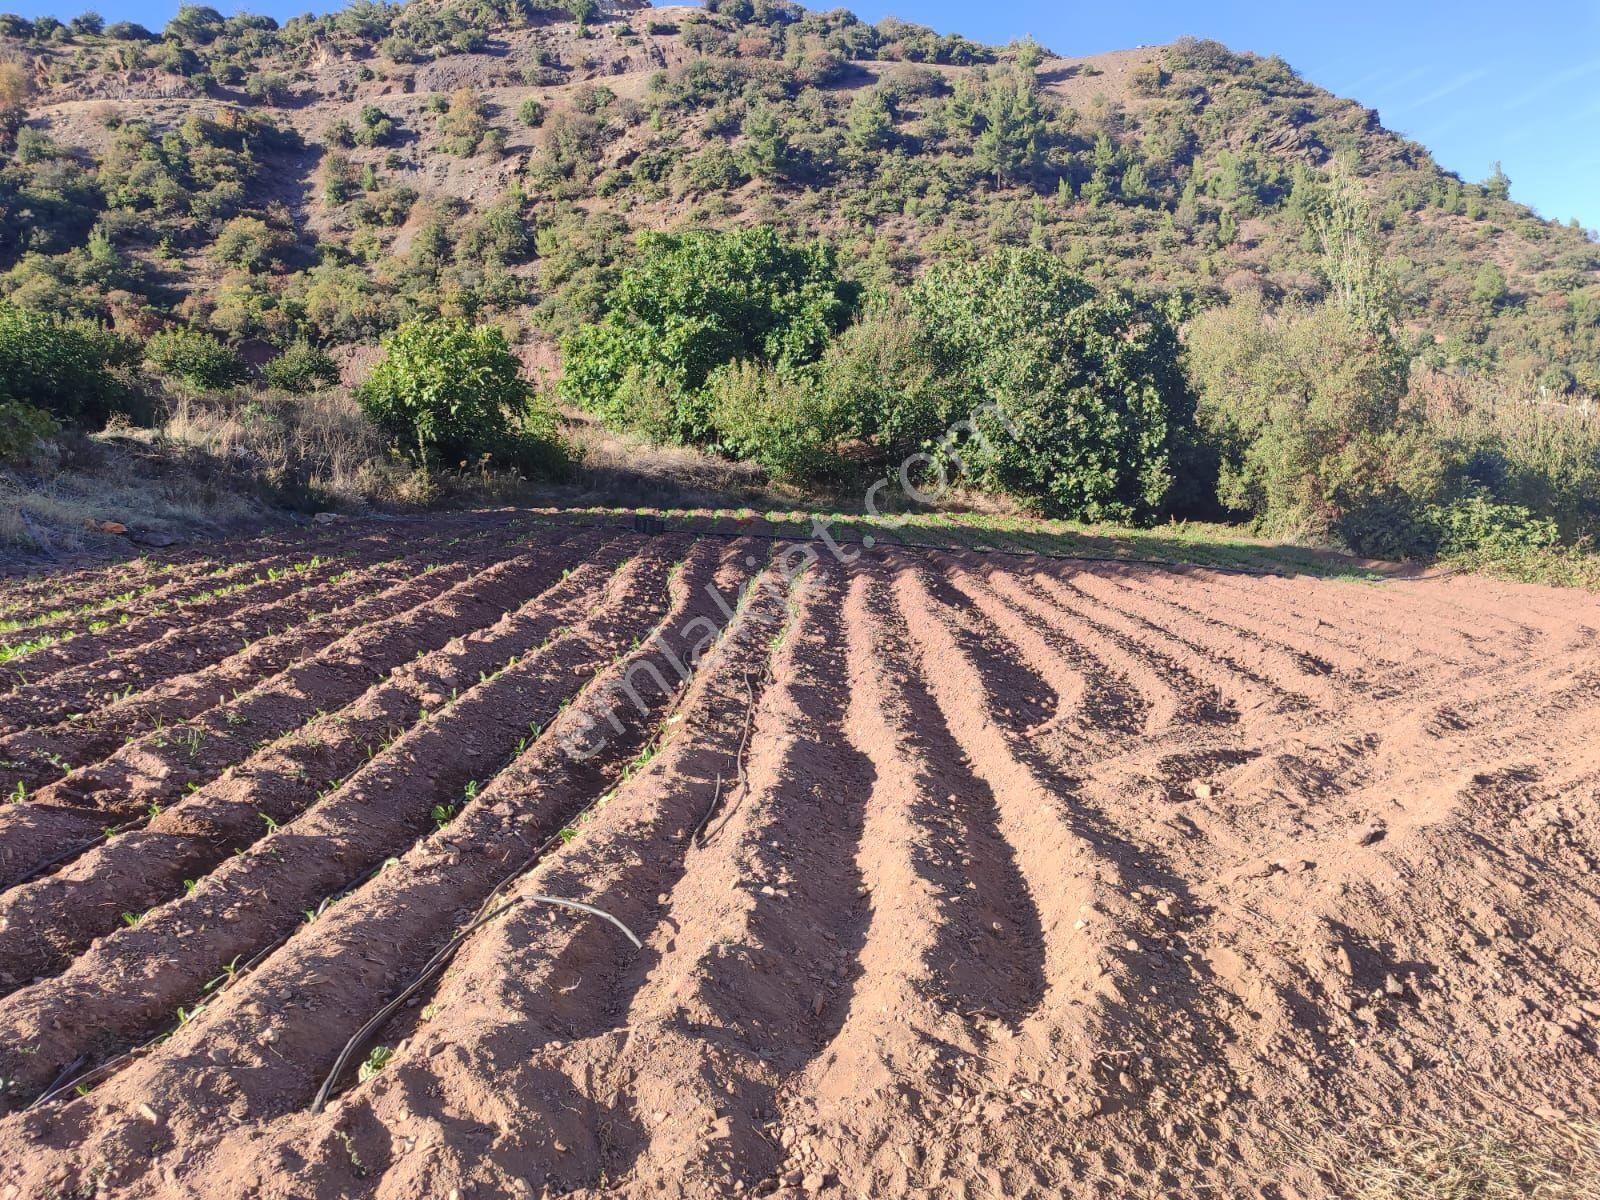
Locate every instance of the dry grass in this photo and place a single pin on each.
(311, 449)
(1556, 1159)
(49, 506)
(215, 464)
(219, 462)
(622, 468)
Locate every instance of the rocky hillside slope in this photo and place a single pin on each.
(325, 178)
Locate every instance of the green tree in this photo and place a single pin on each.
(74, 371)
(1075, 398)
(446, 391)
(15, 87)
(195, 357)
(1011, 127)
(1498, 185)
(301, 368)
(767, 153)
(1341, 223)
(693, 302)
(1489, 286)
(869, 125)
(789, 427)
(1305, 409)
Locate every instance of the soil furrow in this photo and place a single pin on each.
(36, 597)
(1103, 712)
(505, 1000)
(1318, 645)
(256, 696)
(37, 756)
(957, 874)
(953, 922)
(1062, 874)
(29, 596)
(190, 642)
(143, 867)
(213, 596)
(417, 900)
(138, 976)
(150, 771)
(1262, 662)
(1162, 696)
(1219, 686)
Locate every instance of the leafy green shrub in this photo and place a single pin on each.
(72, 371)
(1389, 524)
(300, 369)
(1521, 448)
(1304, 406)
(21, 425)
(1395, 525)
(1476, 522)
(376, 127)
(690, 303)
(464, 123)
(251, 243)
(195, 357)
(447, 392)
(1075, 397)
(881, 375)
(790, 428)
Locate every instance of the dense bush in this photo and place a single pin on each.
(1010, 369)
(1305, 408)
(691, 303)
(1476, 522)
(1076, 399)
(21, 426)
(448, 392)
(881, 376)
(301, 368)
(787, 425)
(73, 371)
(194, 357)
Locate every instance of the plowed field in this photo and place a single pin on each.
(954, 874)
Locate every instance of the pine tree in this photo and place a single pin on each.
(869, 125)
(1008, 145)
(1498, 185)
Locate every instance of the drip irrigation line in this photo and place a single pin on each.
(486, 914)
(436, 964)
(105, 1068)
(702, 836)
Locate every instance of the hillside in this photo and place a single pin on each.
(326, 178)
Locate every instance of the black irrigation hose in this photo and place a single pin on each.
(703, 838)
(485, 915)
(61, 1083)
(436, 964)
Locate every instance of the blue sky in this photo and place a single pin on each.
(1473, 81)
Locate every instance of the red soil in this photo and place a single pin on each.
(955, 874)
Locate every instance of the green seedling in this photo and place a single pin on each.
(376, 1061)
(230, 972)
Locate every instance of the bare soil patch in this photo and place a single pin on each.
(954, 873)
